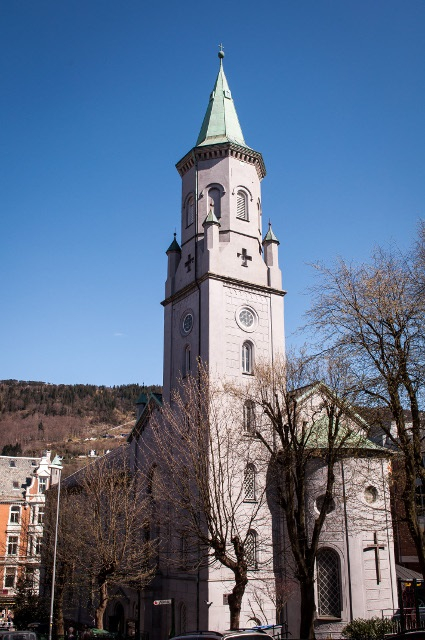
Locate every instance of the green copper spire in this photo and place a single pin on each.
(221, 122)
(174, 246)
(270, 236)
(211, 217)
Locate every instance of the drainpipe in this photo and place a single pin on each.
(388, 534)
(347, 542)
(195, 161)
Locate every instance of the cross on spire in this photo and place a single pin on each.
(245, 257)
(188, 262)
(376, 546)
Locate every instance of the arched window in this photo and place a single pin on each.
(247, 357)
(259, 214)
(190, 211)
(183, 617)
(249, 417)
(15, 513)
(251, 550)
(214, 197)
(249, 483)
(241, 205)
(186, 361)
(328, 583)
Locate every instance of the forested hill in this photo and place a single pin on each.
(70, 420)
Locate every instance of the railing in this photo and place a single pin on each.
(406, 618)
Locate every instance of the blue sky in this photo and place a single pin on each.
(101, 98)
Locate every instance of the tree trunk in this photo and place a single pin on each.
(308, 609)
(103, 601)
(235, 604)
(59, 625)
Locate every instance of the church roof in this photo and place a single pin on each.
(221, 122)
(348, 440)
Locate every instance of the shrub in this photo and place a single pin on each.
(372, 629)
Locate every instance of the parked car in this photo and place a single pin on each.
(236, 634)
(199, 635)
(17, 635)
(245, 634)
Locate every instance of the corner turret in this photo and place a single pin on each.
(174, 254)
(271, 258)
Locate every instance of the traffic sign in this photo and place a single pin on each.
(157, 602)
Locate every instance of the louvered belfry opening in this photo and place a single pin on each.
(328, 584)
(190, 211)
(241, 207)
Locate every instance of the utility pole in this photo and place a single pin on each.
(52, 596)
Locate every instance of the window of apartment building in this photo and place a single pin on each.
(9, 577)
(15, 513)
(42, 485)
(40, 517)
(12, 546)
(38, 543)
(30, 576)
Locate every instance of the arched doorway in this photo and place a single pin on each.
(116, 622)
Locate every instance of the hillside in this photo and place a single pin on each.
(71, 420)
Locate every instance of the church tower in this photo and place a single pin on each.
(224, 305)
(223, 294)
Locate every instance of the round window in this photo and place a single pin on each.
(319, 504)
(370, 494)
(246, 317)
(187, 323)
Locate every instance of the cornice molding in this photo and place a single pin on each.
(222, 150)
(179, 295)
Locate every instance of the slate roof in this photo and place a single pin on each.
(16, 470)
(407, 574)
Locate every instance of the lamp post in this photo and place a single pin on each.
(52, 595)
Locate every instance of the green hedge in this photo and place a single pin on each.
(372, 629)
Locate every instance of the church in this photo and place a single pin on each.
(224, 306)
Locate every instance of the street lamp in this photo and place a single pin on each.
(58, 466)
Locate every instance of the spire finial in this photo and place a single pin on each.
(221, 52)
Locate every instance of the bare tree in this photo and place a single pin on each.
(305, 427)
(67, 581)
(203, 475)
(373, 316)
(107, 519)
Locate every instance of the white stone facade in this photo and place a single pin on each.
(223, 267)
